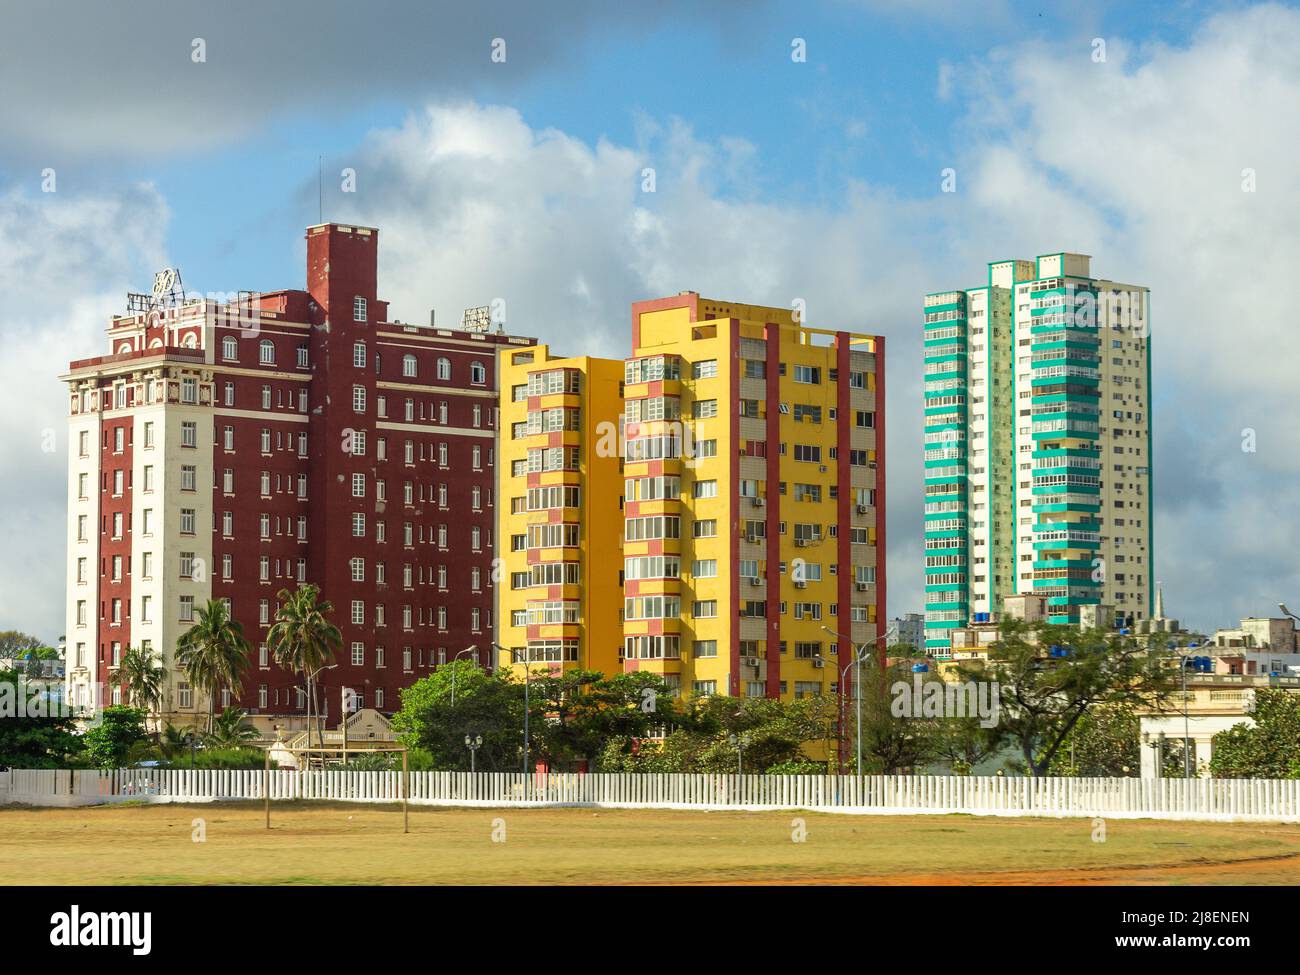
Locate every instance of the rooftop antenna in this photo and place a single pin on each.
(320, 190)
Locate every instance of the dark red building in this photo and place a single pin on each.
(347, 450)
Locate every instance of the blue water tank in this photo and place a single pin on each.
(920, 668)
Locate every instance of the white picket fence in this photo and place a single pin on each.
(1261, 800)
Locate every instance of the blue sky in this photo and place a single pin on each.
(865, 106)
(775, 180)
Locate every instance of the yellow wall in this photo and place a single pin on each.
(598, 629)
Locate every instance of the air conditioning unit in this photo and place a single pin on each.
(751, 538)
(800, 584)
(758, 502)
(822, 469)
(755, 581)
(862, 509)
(801, 543)
(860, 587)
(818, 662)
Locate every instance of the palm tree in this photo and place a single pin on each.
(213, 653)
(143, 679)
(303, 639)
(230, 730)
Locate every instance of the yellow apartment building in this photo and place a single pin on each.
(754, 503)
(558, 588)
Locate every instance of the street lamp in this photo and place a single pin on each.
(473, 743)
(739, 742)
(472, 648)
(859, 653)
(311, 680)
(1187, 734)
(514, 658)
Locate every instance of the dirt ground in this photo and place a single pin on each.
(317, 843)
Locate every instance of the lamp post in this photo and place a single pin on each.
(1187, 734)
(859, 652)
(311, 682)
(739, 742)
(514, 658)
(472, 648)
(473, 743)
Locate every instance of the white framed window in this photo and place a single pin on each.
(230, 348)
(359, 399)
(477, 373)
(266, 352)
(408, 366)
(358, 309)
(359, 354)
(444, 368)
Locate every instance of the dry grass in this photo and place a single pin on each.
(316, 843)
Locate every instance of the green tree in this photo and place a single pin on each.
(303, 639)
(1104, 742)
(15, 645)
(230, 731)
(213, 654)
(487, 704)
(109, 743)
(143, 677)
(894, 739)
(576, 713)
(1269, 748)
(1049, 676)
(35, 735)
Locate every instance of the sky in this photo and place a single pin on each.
(797, 150)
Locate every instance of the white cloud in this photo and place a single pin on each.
(66, 263)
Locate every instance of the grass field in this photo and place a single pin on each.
(314, 843)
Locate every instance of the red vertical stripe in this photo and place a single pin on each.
(773, 335)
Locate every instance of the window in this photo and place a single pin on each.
(704, 369)
(704, 408)
(189, 434)
(408, 366)
(807, 374)
(477, 373)
(358, 485)
(358, 309)
(359, 399)
(444, 369)
(705, 489)
(359, 355)
(189, 390)
(266, 352)
(230, 347)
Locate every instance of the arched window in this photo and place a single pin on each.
(266, 352)
(191, 341)
(444, 368)
(477, 374)
(408, 365)
(230, 347)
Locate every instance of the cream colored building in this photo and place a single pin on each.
(1214, 703)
